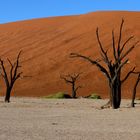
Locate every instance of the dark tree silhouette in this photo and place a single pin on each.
(71, 79)
(11, 76)
(134, 91)
(113, 68)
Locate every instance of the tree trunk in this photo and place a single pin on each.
(8, 94)
(73, 91)
(134, 91)
(133, 98)
(116, 94)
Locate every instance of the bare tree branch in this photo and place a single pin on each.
(129, 50)
(64, 78)
(134, 91)
(120, 37)
(78, 88)
(104, 53)
(11, 70)
(128, 74)
(113, 43)
(118, 69)
(131, 37)
(10, 62)
(4, 74)
(92, 62)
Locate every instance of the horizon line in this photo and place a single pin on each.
(65, 15)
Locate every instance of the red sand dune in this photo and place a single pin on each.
(47, 43)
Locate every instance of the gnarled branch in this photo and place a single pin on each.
(128, 74)
(92, 62)
(120, 38)
(103, 53)
(128, 51)
(131, 37)
(113, 44)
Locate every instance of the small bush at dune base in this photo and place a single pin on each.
(59, 95)
(94, 96)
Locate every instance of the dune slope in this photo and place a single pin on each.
(47, 43)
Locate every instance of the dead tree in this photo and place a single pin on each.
(134, 91)
(71, 79)
(113, 68)
(10, 77)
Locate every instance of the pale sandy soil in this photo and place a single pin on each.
(42, 119)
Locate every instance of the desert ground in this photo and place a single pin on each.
(67, 119)
(46, 44)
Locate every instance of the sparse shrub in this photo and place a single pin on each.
(59, 95)
(94, 96)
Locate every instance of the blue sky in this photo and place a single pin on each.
(14, 10)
